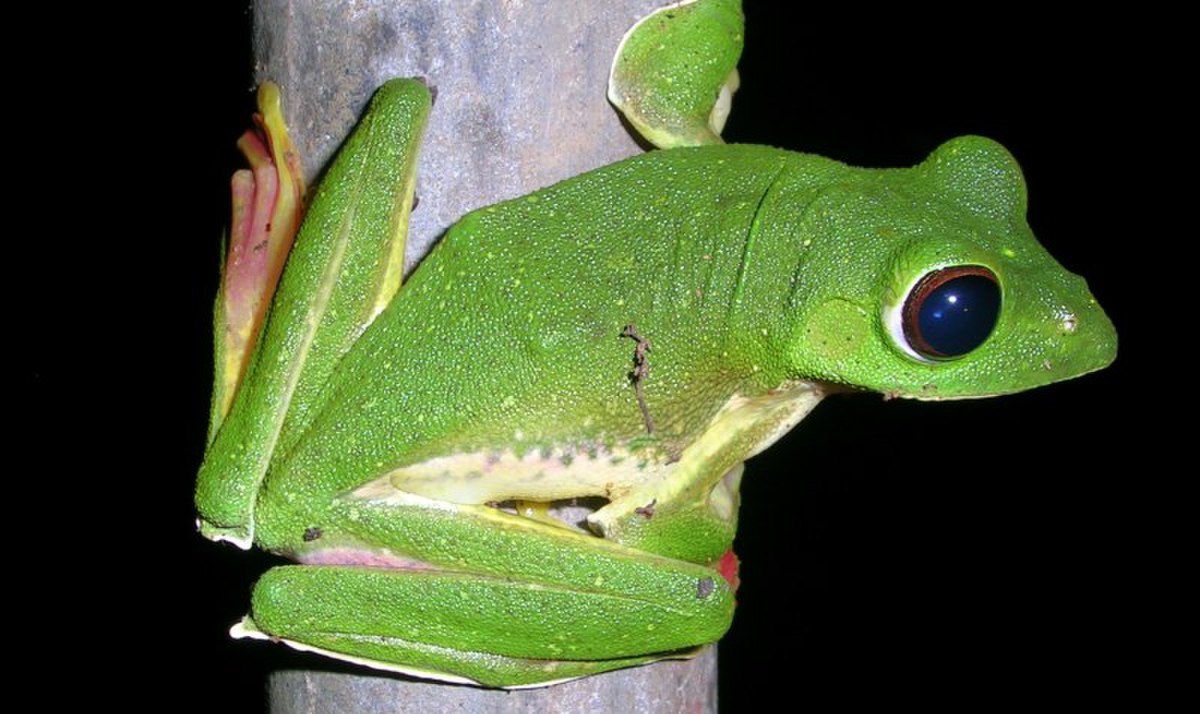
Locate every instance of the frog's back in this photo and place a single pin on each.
(690, 193)
(514, 322)
(661, 236)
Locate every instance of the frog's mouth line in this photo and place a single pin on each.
(1053, 374)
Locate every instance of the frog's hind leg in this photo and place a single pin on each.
(465, 628)
(690, 511)
(421, 585)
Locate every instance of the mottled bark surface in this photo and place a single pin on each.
(520, 88)
(689, 686)
(520, 103)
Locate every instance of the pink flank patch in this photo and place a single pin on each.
(366, 558)
(728, 567)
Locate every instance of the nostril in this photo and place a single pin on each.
(1067, 321)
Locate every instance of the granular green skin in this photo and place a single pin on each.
(743, 266)
(606, 322)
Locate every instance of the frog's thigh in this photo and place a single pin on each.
(482, 628)
(481, 584)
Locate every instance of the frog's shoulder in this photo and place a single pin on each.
(671, 178)
(716, 159)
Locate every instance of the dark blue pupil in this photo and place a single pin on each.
(954, 311)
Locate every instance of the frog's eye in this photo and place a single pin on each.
(951, 311)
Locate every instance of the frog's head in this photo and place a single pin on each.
(950, 295)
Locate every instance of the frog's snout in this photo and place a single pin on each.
(1080, 336)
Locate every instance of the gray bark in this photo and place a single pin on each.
(520, 104)
(520, 88)
(689, 686)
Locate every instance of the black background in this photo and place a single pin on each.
(952, 553)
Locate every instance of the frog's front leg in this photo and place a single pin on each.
(687, 508)
(473, 593)
(343, 271)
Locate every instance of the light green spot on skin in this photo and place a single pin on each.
(837, 330)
